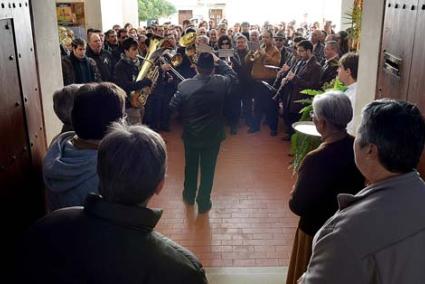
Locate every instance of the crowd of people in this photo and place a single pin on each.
(118, 55)
(359, 197)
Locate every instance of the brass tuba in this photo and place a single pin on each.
(149, 70)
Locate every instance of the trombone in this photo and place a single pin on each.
(174, 59)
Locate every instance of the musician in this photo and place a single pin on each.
(200, 102)
(264, 103)
(157, 115)
(307, 77)
(187, 68)
(125, 74)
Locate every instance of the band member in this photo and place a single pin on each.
(200, 103)
(125, 74)
(308, 77)
(264, 103)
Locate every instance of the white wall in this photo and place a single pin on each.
(370, 43)
(346, 7)
(93, 14)
(130, 12)
(48, 59)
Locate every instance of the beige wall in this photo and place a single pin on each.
(48, 60)
(370, 41)
(103, 14)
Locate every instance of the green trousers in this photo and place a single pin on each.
(205, 159)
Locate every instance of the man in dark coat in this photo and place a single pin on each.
(102, 57)
(112, 239)
(308, 77)
(125, 75)
(77, 68)
(200, 103)
(330, 68)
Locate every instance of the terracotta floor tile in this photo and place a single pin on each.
(250, 223)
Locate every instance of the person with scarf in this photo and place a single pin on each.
(77, 68)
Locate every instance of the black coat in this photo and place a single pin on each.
(200, 102)
(308, 77)
(104, 63)
(329, 71)
(104, 243)
(79, 71)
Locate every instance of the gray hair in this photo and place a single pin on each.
(334, 107)
(63, 102)
(332, 44)
(203, 39)
(131, 162)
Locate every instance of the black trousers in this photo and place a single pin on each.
(264, 104)
(204, 158)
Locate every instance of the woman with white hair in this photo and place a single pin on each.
(324, 173)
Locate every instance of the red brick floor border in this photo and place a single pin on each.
(250, 223)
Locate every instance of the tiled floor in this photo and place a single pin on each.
(250, 223)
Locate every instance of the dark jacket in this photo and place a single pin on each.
(329, 71)
(200, 103)
(308, 77)
(319, 52)
(79, 71)
(103, 62)
(125, 75)
(104, 243)
(324, 173)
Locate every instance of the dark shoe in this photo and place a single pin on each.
(187, 200)
(273, 133)
(253, 130)
(204, 208)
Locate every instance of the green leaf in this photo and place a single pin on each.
(311, 92)
(154, 9)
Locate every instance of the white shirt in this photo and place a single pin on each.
(351, 93)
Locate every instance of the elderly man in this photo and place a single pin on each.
(200, 103)
(318, 47)
(69, 167)
(102, 57)
(330, 67)
(112, 239)
(378, 235)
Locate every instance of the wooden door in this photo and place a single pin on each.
(396, 50)
(402, 63)
(416, 93)
(185, 15)
(23, 142)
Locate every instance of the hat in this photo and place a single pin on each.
(205, 61)
(129, 42)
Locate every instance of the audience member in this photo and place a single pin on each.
(112, 238)
(324, 173)
(69, 167)
(378, 235)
